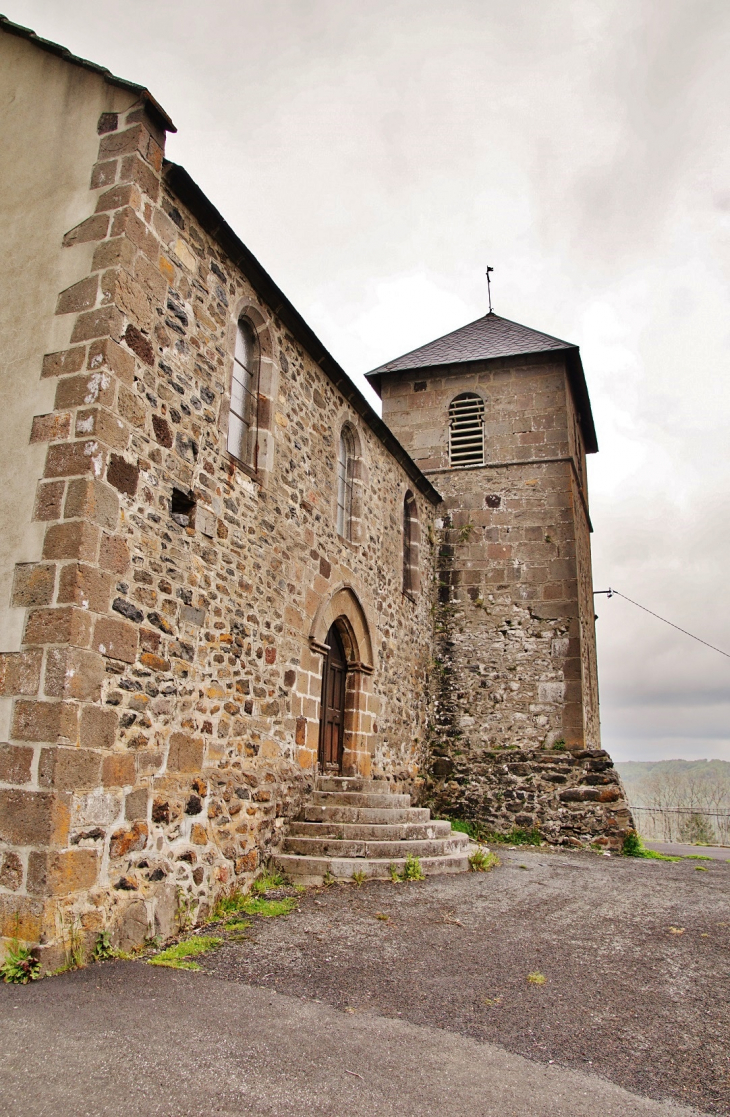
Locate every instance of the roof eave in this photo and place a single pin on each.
(190, 194)
(581, 399)
(574, 368)
(50, 47)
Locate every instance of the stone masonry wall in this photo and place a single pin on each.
(514, 652)
(166, 695)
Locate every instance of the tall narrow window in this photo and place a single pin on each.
(411, 545)
(345, 459)
(244, 397)
(466, 430)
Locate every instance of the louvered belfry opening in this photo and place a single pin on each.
(466, 430)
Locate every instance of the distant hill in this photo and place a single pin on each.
(631, 771)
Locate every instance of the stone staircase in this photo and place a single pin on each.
(353, 825)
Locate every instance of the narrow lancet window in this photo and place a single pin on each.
(345, 460)
(244, 396)
(411, 545)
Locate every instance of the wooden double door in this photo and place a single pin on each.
(332, 722)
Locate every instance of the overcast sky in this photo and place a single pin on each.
(376, 155)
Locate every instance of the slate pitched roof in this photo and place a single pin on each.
(490, 336)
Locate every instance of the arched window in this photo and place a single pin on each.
(411, 545)
(244, 397)
(345, 464)
(466, 430)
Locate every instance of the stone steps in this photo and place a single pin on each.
(366, 814)
(355, 783)
(361, 832)
(392, 851)
(367, 828)
(312, 870)
(358, 799)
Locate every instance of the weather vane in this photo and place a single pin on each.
(489, 287)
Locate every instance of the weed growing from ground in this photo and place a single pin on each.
(393, 872)
(634, 847)
(74, 947)
(328, 878)
(184, 910)
(461, 826)
(536, 978)
(19, 966)
(228, 904)
(257, 905)
(381, 915)
(482, 860)
(268, 881)
(235, 902)
(103, 950)
(178, 957)
(236, 929)
(412, 869)
(359, 876)
(517, 836)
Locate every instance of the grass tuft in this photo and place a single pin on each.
(634, 847)
(517, 836)
(178, 957)
(257, 905)
(227, 904)
(267, 881)
(482, 860)
(536, 978)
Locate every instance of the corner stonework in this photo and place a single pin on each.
(77, 800)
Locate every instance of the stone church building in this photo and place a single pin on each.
(223, 576)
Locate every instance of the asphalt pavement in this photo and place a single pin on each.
(124, 1039)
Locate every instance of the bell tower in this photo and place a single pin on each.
(498, 417)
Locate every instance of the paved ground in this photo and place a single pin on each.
(717, 853)
(333, 1011)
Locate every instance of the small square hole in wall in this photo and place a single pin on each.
(182, 508)
(420, 386)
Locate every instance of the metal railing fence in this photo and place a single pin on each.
(694, 825)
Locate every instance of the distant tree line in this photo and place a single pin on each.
(683, 800)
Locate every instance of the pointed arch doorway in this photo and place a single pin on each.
(334, 689)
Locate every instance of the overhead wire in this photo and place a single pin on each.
(610, 593)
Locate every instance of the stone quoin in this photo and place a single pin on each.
(224, 576)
